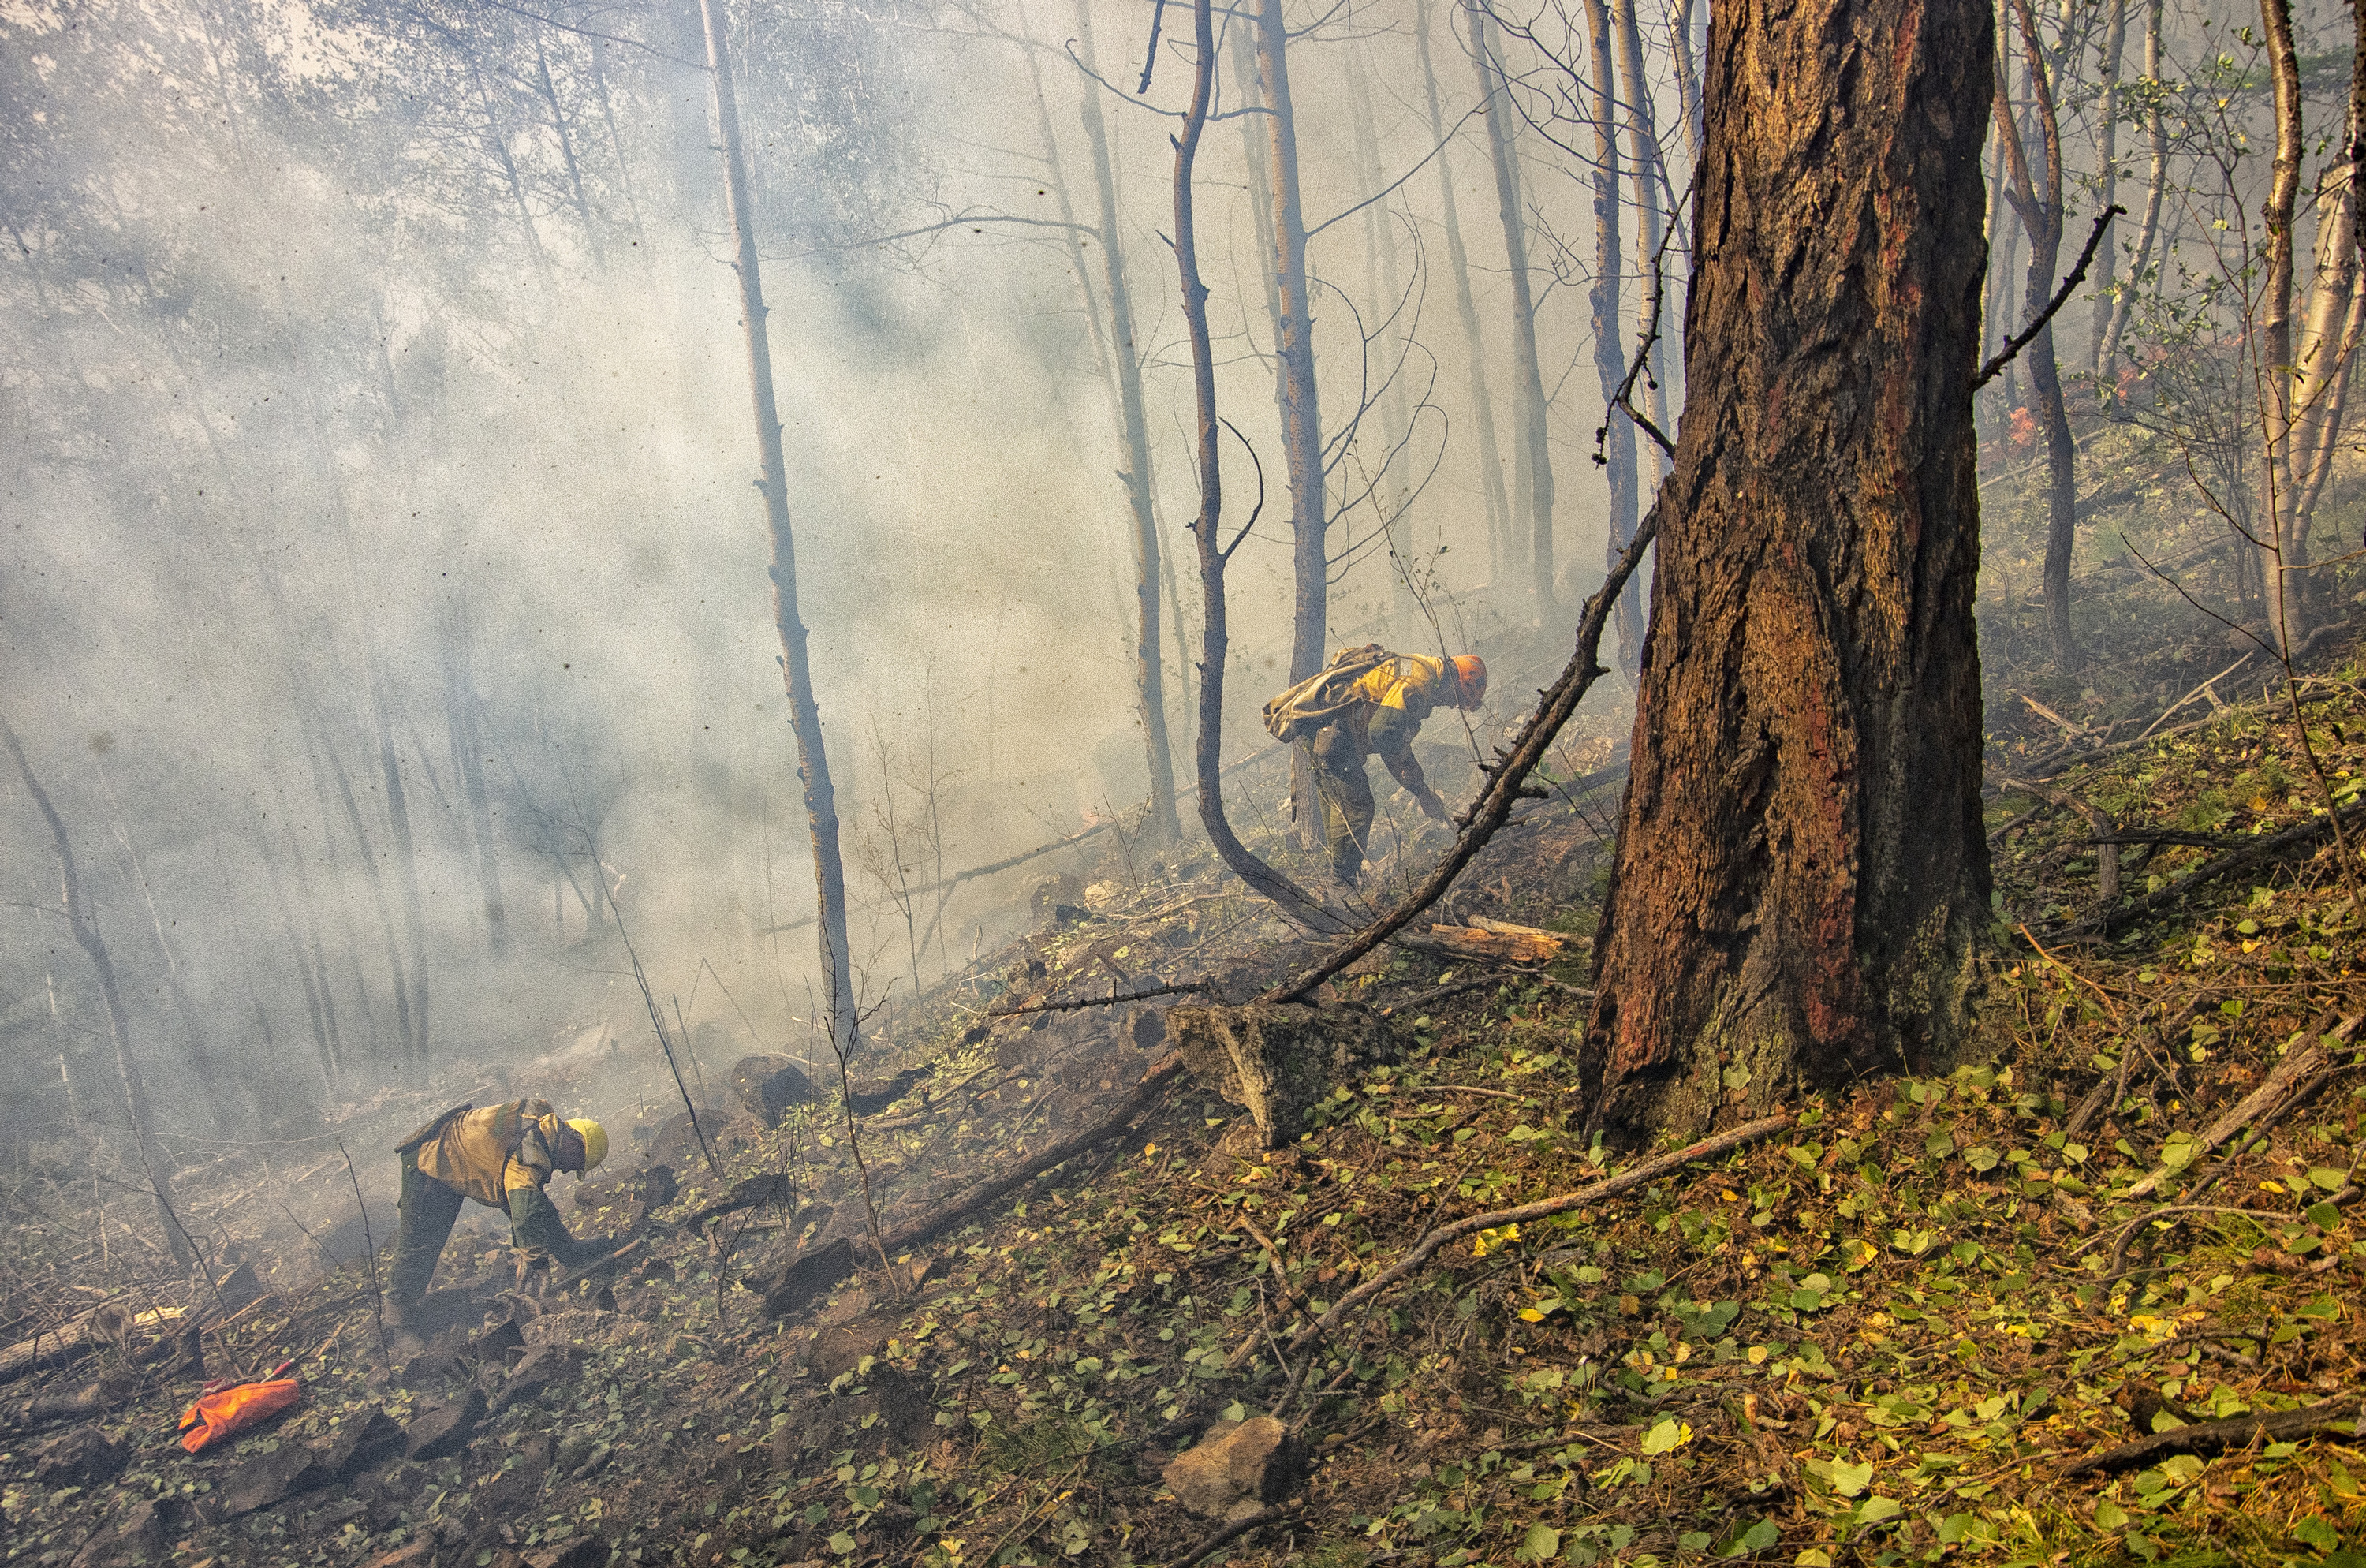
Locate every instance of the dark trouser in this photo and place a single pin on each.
(1346, 796)
(429, 1208)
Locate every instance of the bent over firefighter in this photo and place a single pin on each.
(1369, 700)
(503, 1157)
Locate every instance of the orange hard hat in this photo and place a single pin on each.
(1470, 674)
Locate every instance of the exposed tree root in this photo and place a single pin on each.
(2215, 1436)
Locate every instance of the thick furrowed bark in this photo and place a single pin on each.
(1801, 877)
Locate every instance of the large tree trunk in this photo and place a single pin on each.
(1125, 361)
(1466, 310)
(1801, 876)
(804, 712)
(1531, 457)
(156, 1167)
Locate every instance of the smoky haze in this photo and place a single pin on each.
(386, 603)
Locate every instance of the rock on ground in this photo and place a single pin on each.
(1237, 1469)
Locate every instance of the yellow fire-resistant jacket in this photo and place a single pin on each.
(489, 1153)
(1396, 695)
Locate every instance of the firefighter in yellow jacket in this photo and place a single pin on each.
(503, 1157)
(1378, 710)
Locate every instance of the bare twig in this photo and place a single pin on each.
(1627, 1180)
(1236, 1529)
(2004, 355)
(2212, 1436)
(1113, 999)
(369, 1242)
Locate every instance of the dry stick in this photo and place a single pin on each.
(1113, 999)
(2210, 1437)
(2107, 853)
(1633, 1177)
(1236, 1529)
(370, 1241)
(2109, 921)
(2004, 355)
(1509, 783)
(2302, 1063)
(855, 1145)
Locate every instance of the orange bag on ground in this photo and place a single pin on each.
(222, 1413)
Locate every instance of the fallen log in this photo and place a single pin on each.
(818, 1272)
(47, 1409)
(2104, 922)
(2216, 1436)
(1501, 941)
(1632, 1176)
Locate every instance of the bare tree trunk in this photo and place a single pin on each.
(1125, 360)
(1533, 456)
(2040, 215)
(1208, 747)
(396, 973)
(2107, 170)
(1302, 419)
(1680, 45)
(1384, 335)
(1802, 878)
(567, 152)
(406, 860)
(314, 1011)
(2274, 371)
(804, 711)
(1609, 342)
(2155, 183)
(201, 1055)
(1643, 161)
(1482, 412)
(463, 717)
(155, 1165)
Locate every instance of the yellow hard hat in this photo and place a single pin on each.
(595, 1141)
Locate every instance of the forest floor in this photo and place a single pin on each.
(1887, 1334)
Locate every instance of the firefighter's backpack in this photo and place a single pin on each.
(1322, 696)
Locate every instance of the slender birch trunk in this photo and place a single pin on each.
(2155, 183)
(804, 711)
(2107, 167)
(1651, 269)
(1609, 341)
(2275, 373)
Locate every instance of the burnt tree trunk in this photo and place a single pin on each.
(804, 710)
(1801, 877)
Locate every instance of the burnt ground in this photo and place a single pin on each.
(1882, 1335)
